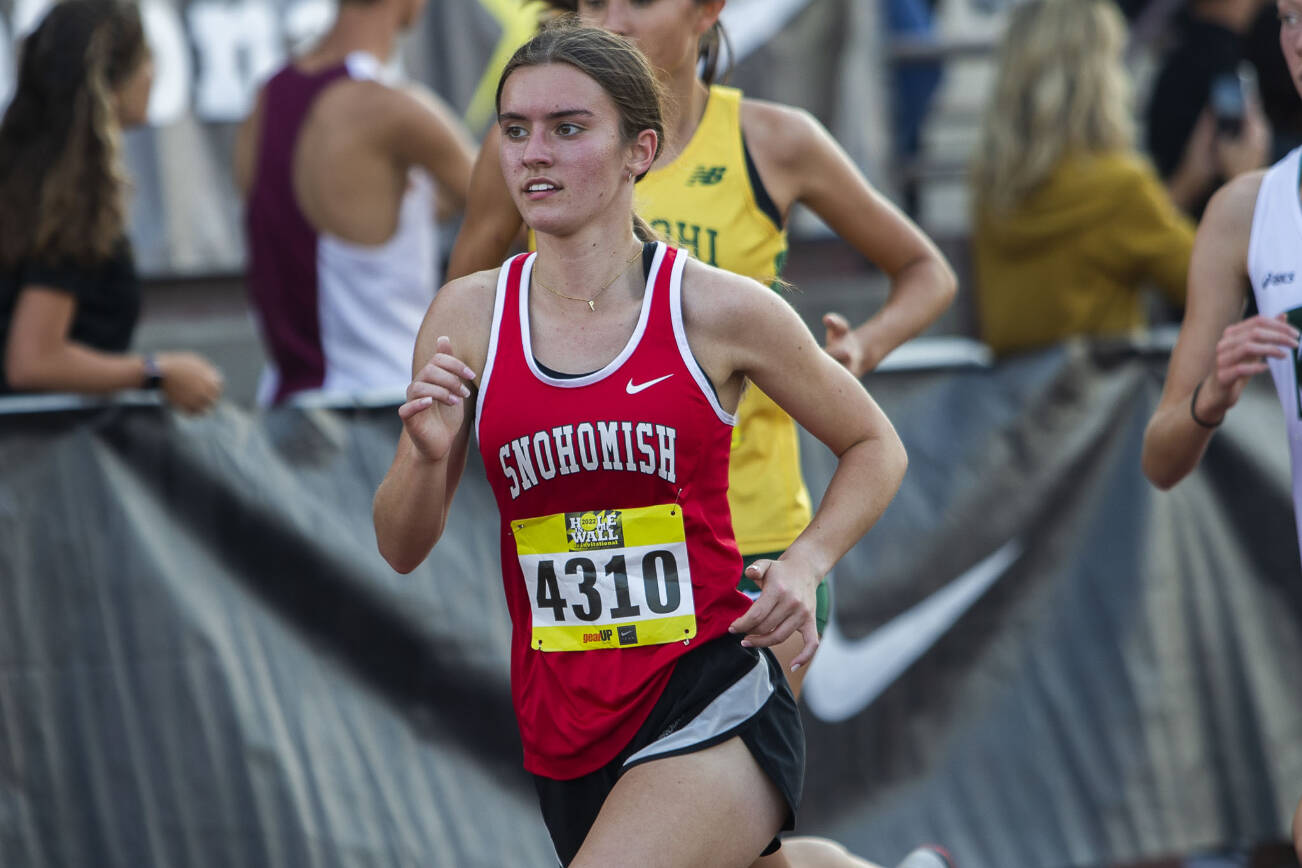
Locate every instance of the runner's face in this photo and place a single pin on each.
(561, 150)
(667, 31)
(1290, 38)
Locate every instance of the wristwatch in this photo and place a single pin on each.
(153, 373)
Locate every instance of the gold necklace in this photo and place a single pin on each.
(591, 302)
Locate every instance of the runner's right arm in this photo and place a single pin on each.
(1214, 349)
(412, 503)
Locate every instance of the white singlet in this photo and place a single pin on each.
(1275, 268)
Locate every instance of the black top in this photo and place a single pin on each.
(107, 296)
(1204, 51)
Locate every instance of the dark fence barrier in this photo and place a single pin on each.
(1035, 658)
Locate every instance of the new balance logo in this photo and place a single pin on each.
(1276, 279)
(706, 176)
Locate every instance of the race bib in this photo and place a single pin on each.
(615, 578)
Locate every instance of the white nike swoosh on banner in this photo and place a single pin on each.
(633, 390)
(846, 676)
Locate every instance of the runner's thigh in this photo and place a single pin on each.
(712, 807)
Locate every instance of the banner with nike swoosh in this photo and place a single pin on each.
(1035, 658)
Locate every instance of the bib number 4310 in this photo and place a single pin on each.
(615, 578)
(660, 587)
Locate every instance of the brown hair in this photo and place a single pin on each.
(62, 182)
(710, 50)
(613, 63)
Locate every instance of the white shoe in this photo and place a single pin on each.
(928, 856)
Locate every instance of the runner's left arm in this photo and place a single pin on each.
(801, 162)
(763, 339)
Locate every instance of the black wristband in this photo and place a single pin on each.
(1193, 409)
(153, 373)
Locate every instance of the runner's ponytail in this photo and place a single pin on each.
(713, 46)
(643, 231)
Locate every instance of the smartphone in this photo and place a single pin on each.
(1228, 98)
(1228, 104)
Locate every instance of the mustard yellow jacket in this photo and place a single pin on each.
(1073, 256)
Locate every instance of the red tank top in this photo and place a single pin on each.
(617, 546)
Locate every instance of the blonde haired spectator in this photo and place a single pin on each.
(1070, 221)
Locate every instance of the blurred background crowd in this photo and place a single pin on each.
(1014, 160)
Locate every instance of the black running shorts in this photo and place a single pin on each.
(717, 691)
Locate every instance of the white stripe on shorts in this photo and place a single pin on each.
(730, 709)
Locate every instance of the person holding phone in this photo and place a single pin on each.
(1204, 120)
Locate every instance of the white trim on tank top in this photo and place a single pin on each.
(684, 349)
(610, 367)
(499, 302)
(1288, 165)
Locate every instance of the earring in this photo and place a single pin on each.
(628, 174)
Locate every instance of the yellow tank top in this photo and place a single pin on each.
(704, 201)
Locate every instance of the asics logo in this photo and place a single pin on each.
(1276, 279)
(634, 389)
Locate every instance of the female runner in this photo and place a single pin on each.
(604, 373)
(728, 173)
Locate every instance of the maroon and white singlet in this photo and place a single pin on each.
(335, 316)
(617, 547)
